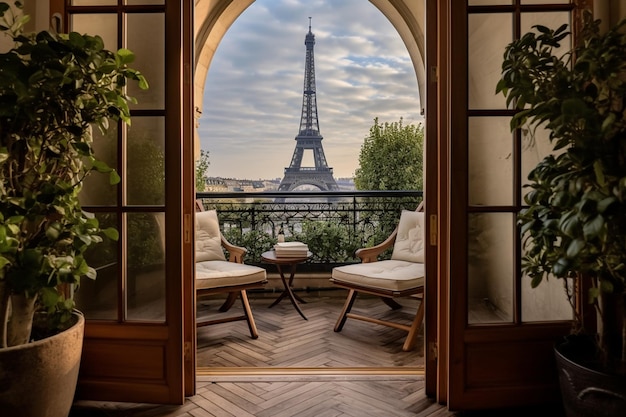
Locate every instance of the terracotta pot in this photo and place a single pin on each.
(39, 379)
(587, 392)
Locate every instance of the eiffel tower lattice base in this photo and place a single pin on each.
(320, 178)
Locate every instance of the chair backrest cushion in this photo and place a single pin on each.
(409, 244)
(208, 238)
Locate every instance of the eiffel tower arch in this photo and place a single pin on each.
(309, 138)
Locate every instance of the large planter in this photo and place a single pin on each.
(39, 379)
(587, 392)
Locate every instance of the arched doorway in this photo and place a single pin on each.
(212, 21)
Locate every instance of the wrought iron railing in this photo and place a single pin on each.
(332, 223)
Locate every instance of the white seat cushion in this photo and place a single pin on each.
(216, 274)
(392, 274)
(409, 244)
(208, 238)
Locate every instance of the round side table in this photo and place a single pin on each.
(292, 262)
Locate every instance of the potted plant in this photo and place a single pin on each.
(53, 89)
(574, 227)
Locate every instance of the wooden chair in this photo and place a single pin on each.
(216, 275)
(400, 276)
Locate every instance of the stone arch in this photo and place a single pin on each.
(213, 18)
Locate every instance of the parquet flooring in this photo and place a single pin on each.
(287, 340)
(304, 397)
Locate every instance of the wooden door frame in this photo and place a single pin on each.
(144, 362)
(189, 197)
(485, 369)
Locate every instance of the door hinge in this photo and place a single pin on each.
(187, 228)
(187, 352)
(433, 230)
(432, 347)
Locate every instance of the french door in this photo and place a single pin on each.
(501, 332)
(134, 346)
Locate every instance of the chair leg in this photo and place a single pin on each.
(346, 309)
(248, 312)
(230, 300)
(411, 338)
(393, 304)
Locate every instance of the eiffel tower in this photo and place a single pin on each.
(309, 138)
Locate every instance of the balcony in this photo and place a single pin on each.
(334, 224)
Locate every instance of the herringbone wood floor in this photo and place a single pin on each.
(287, 340)
(303, 397)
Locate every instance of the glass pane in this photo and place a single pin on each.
(145, 171)
(551, 20)
(489, 2)
(94, 2)
(525, 2)
(146, 267)
(97, 299)
(548, 301)
(146, 34)
(104, 25)
(490, 161)
(535, 146)
(490, 267)
(97, 189)
(140, 2)
(488, 36)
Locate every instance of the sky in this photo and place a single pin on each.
(253, 93)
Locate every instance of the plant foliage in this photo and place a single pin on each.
(391, 158)
(54, 88)
(575, 222)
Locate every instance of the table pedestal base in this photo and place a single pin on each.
(287, 292)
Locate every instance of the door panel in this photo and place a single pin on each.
(500, 352)
(133, 346)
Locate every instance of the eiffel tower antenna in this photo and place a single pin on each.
(309, 137)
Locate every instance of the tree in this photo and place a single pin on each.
(391, 158)
(202, 166)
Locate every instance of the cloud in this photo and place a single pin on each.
(253, 94)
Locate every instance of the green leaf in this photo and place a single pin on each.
(111, 233)
(4, 262)
(561, 267)
(608, 122)
(125, 56)
(91, 273)
(53, 231)
(605, 204)
(594, 293)
(114, 177)
(592, 228)
(15, 220)
(101, 166)
(599, 172)
(569, 224)
(575, 247)
(49, 297)
(536, 280)
(4, 154)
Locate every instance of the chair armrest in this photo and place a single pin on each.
(371, 254)
(235, 253)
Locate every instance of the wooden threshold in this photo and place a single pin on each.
(302, 371)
